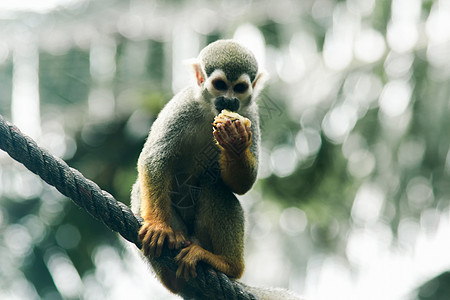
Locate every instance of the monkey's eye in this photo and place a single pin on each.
(240, 88)
(220, 85)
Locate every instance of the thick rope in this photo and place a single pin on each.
(209, 284)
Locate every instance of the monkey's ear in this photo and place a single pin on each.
(196, 67)
(199, 74)
(197, 70)
(259, 82)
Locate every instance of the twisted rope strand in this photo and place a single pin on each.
(103, 207)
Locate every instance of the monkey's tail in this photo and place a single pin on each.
(271, 293)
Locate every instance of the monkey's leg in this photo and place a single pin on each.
(220, 231)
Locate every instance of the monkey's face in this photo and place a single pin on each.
(230, 95)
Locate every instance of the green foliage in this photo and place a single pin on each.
(401, 151)
(64, 79)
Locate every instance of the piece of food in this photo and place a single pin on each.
(226, 114)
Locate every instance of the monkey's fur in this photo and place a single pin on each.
(188, 171)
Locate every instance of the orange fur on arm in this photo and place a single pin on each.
(155, 200)
(238, 170)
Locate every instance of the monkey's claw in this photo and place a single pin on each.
(153, 236)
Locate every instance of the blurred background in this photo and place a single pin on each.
(353, 196)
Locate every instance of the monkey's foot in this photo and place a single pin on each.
(187, 260)
(153, 235)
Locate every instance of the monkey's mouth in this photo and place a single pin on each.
(231, 104)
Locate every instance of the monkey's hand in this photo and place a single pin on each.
(153, 235)
(232, 132)
(237, 163)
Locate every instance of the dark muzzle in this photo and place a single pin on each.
(231, 104)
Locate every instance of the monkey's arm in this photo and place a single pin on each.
(156, 167)
(238, 164)
(156, 212)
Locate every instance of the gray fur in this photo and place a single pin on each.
(230, 57)
(181, 132)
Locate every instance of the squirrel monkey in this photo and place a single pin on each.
(202, 148)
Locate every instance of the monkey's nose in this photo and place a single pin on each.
(231, 104)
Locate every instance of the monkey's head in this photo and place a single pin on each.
(228, 74)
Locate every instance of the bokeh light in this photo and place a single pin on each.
(352, 200)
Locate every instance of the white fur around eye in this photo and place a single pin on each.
(217, 83)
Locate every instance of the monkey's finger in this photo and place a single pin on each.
(171, 240)
(146, 240)
(143, 231)
(228, 135)
(160, 243)
(182, 254)
(145, 249)
(186, 272)
(180, 271)
(142, 235)
(219, 138)
(153, 243)
(249, 132)
(243, 134)
(231, 128)
(223, 132)
(193, 271)
(224, 142)
(183, 271)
